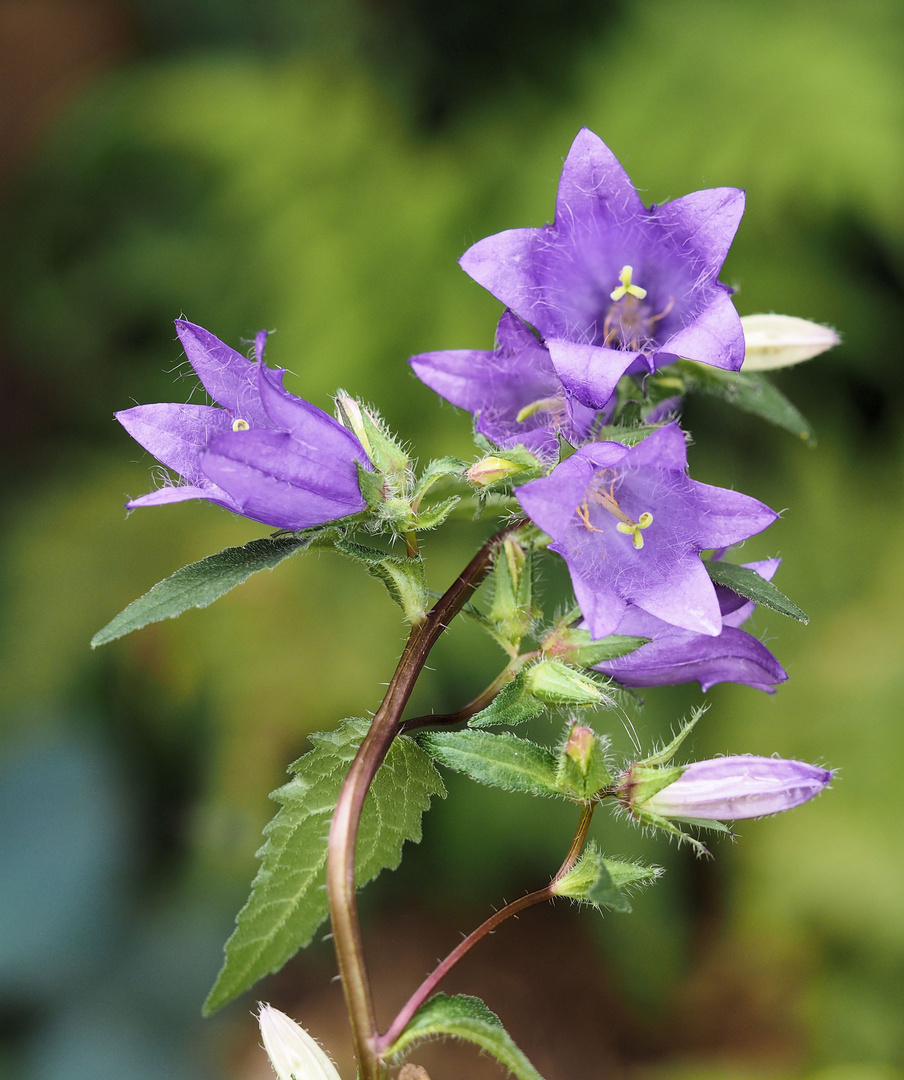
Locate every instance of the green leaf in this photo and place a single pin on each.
(498, 759)
(750, 393)
(748, 583)
(288, 897)
(468, 1018)
(512, 705)
(200, 583)
(403, 577)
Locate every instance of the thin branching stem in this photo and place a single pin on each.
(340, 874)
(539, 896)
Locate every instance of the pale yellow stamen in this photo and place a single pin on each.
(240, 425)
(549, 404)
(627, 288)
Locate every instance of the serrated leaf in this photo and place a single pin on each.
(498, 759)
(514, 704)
(403, 577)
(749, 584)
(199, 584)
(465, 1017)
(750, 393)
(288, 896)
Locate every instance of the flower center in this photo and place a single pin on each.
(624, 524)
(629, 323)
(240, 425)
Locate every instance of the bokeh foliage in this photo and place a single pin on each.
(320, 175)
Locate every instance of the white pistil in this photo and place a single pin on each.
(240, 425)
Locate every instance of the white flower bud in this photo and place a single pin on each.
(777, 341)
(293, 1054)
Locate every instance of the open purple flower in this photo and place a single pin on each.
(678, 656)
(631, 525)
(613, 286)
(264, 453)
(513, 390)
(731, 788)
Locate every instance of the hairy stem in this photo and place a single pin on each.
(340, 873)
(539, 896)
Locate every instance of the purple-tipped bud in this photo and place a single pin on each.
(580, 746)
(728, 788)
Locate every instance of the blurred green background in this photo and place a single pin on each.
(316, 168)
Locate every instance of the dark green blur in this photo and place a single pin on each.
(316, 169)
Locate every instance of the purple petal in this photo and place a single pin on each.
(688, 599)
(315, 433)
(679, 656)
(271, 481)
(664, 449)
(176, 494)
(228, 377)
(590, 372)
(176, 434)
(715, 336)
(726, 517)
(603, 610)
(704, 222)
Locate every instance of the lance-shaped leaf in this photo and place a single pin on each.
(498, 759)
(468, 1018)
(750, 393)
(403, 577)
(288, 897)
(748, 583)
(200, 583)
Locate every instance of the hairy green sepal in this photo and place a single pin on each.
(288, 896)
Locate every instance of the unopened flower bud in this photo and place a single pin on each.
(726, 789)
(777, 341)
(555, 683)
(580, 746)
(490, 470)
(381, 447)
(293, 1054)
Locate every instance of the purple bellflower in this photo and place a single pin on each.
(675, 655)
(631, 524)
(613, 286)
(732, 788)
(263, 453)
(513, 390)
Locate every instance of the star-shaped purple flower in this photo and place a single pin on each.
(513, 390)
(613, 286)
(264, 453)
(631, 525)
(676, 656)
